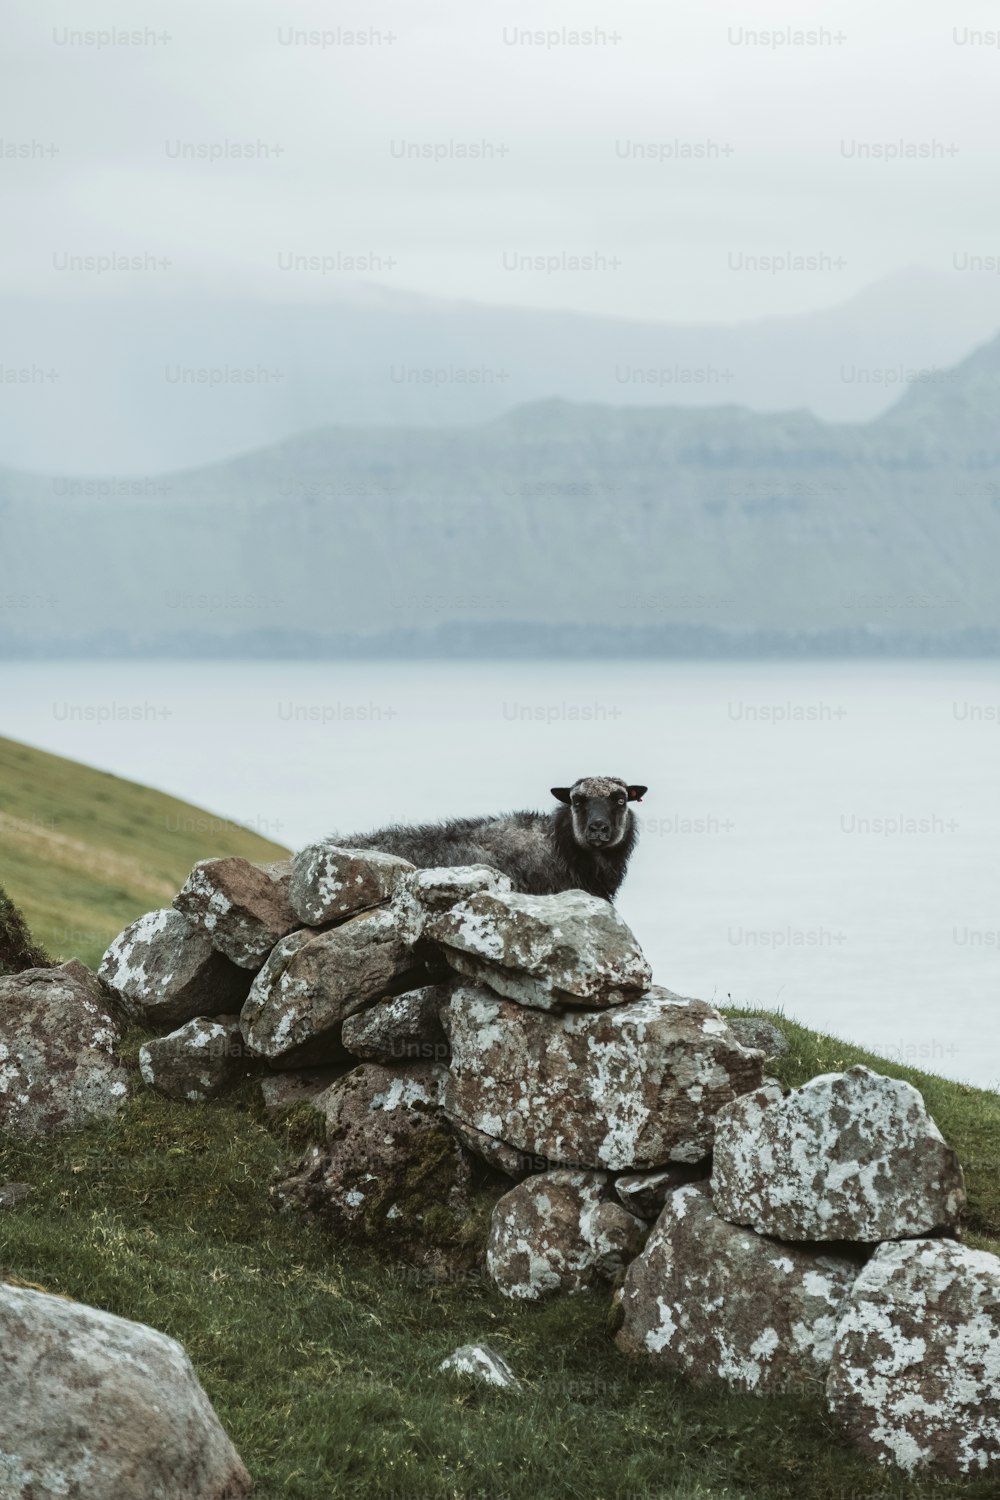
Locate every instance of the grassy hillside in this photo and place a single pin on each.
(83, 853)
(321, 1358)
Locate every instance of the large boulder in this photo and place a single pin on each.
(59, 1063)
(848, 1156)
(312, 981)
(571, 949)
(329, 881)
(720, 1303)
(558, 1232)
(626, 1089)
(915, 1374)
(402, 1028)
(98, 1407)
(389, 1171)
(199, 1061)
(243, 907)
(165, 970)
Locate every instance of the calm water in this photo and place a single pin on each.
(820, 837)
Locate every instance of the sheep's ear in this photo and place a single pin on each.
(636, 793)
(561, 793)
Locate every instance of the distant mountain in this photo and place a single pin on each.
(557, 527)
(139, 386)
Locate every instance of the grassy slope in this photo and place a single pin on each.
(322, 1360)
(82, 853)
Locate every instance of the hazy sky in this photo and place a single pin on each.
(788, 137)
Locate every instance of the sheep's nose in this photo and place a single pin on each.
(598, 825)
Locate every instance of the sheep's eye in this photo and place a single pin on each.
(577, 801)
(620, 800)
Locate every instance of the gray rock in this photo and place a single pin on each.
(849, 1156)
(313, 981)
(559, 1232)
(97, 1406)
(648, 1078)
(645, 1193)
(441, 887)
(283, 1092)
(330, 881)
(497, 1154)
(483, 1363)
(390, 1172)
(199, 1061)
(403, 1028)
(242, 907)
(915, 1375)
(754, 1031)
(721, 1303)
(423, 893)
(12, 1194)
(165, 971)
(571, 949)
(59, 1063)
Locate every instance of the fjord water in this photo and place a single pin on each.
(820, 837)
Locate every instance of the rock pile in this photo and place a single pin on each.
(440, 1024)
(446, 1034)
(822, 1251)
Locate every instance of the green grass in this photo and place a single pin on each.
(85, 853)
(321, 1358)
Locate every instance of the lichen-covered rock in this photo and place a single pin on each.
(755, 1031)
(281, 1093)
(497, 1154)
(96, 1406)
(558, 1232)
(200, 1060)
(312, 981)
(717, 1302)
(390, 1171)
(18, 950)
(59, 1063)
(483, 1363)
(627, 1089)
(330, 881)
(571, 949)
(243, 907)
(423, 893)
(915, 1374)
(439, 888)
(165, 971)
(402, 1028)
(645, 1193)
(848, 1156)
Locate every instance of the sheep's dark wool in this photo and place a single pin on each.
(584, 844)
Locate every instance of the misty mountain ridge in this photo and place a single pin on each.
(557, 526)
(170, 381)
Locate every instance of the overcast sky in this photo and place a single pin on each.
(105, 131)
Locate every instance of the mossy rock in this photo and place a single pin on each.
(17, 950)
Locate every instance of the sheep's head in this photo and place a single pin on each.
(599, 809)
